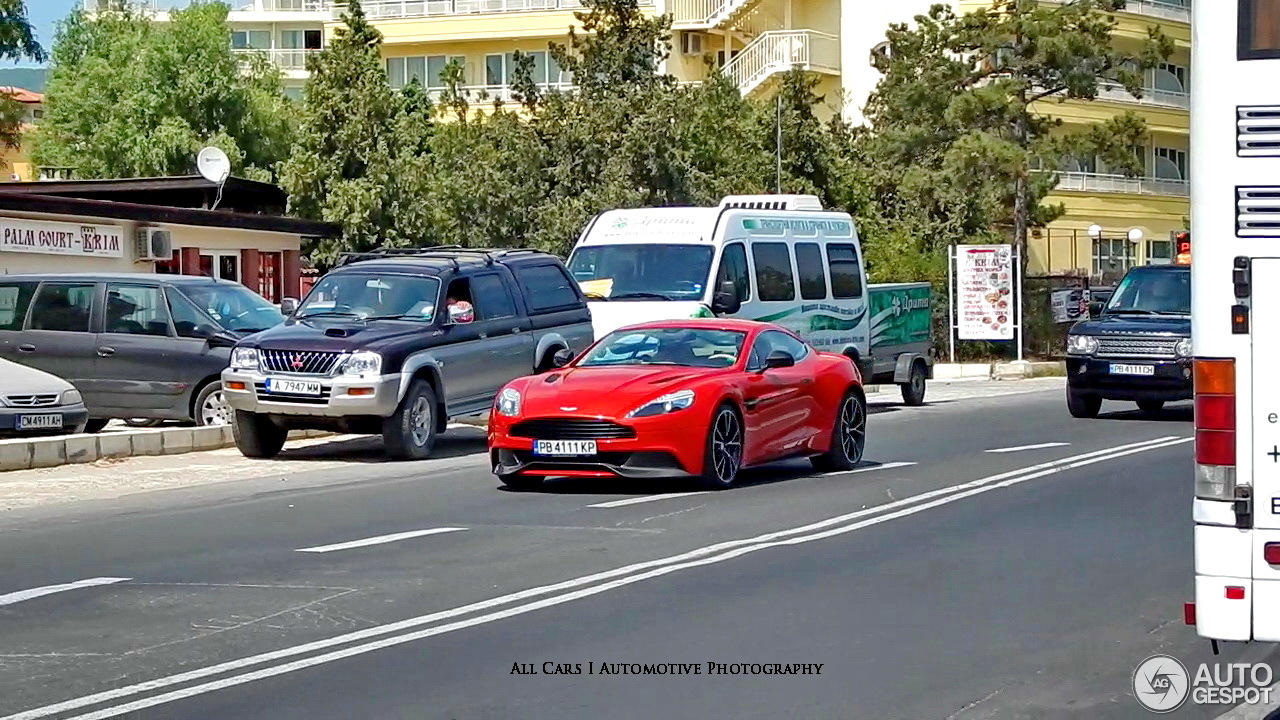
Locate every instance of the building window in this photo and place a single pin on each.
(301, 39)
(1112, 257)
(427, 71)
(269, 276)
(172, 266)
(1259, 30)
(251, 39)
(1159, 252)
(500, 70)
(1169, 77)
(1170, 164)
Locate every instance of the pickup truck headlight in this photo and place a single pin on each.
(1183, 348)
(1082, 344)
(509, 402)
(244, 358)
(363, 363)
(72, 397)
(668, 403)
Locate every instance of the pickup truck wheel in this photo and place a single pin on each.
(1083, 405)
(410, 433)
(1151, 406)
(913, 388)
(256, 436)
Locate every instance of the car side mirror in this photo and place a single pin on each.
(726, 301)
(779, 359)
(222, 340)
(1095, 309)
(562, 358)
(288, 305)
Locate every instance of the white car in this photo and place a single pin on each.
(35, 402)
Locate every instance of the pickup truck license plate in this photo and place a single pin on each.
(577, 448)
(40, 422)
(293, 387)
(1119, 369)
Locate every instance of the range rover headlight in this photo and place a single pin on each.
(1183, 348)
(244, 358)
(668, 403)
(1082, 344)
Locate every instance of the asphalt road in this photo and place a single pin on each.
(939, 580)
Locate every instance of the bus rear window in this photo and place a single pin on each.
(1259, 30)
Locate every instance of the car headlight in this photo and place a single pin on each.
(363, 363)
(509, 402)
(1183, 348)
(1082, 344)
(72, 397)
(244, 358)
(668, 403)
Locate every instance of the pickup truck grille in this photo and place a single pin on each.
(31, 400)
(1137, 347)
(303, 362)
(571, 429)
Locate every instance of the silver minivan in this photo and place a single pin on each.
(134, 345)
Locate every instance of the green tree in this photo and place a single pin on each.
(17, 42)
(127, 97)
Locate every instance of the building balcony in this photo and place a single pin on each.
(775, 52)
(480, 95)
(292, 62)
(281, 6)
(1101, 183)
(1150, 96)
(1181, 12)
(394, 9)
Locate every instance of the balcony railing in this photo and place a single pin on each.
(311, 6)
(1100, 183)
(479, 95)
(1150, 96)
(1155, 8)
(283, 59)
(391, 9)
(781, 50)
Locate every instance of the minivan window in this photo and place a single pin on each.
(235, 306)
(774, 277)
(136, 310)
(545, 288)
(189, 321)
(642, 271)
(813, 276)
(15, 298)
(846, 273)
(63, 307)
(733, 266)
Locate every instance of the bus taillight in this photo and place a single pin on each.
(1215, 423)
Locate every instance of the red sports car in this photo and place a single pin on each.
(697, 398)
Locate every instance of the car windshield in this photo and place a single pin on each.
(642, 271)
(691, 347)
(234, 306)
(368, 296)
(1152, 292)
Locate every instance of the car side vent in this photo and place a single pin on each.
(1258, 211)
(1258, 131)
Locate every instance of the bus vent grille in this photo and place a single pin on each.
(1258, 211)
(1258, 131)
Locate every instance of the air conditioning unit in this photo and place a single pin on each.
(690, 43)
(154, 244)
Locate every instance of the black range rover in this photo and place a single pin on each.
(1137, 347)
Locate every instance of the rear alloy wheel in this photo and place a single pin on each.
(723, 456)
(1151, 406)
(211, 406)
(410, 432)
(1083, 405)
(913, 388)
(256, 435)
(848, 437)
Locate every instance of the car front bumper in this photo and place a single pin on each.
(74, 418)
(657, 451)
(1169, 381)
(377, 395)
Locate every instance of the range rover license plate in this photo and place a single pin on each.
(1120, 369)
(565, 448)
(293, 387)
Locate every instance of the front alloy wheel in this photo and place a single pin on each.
(214, 410)
(724, 450)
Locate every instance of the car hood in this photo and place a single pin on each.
(609, 391)
(337, 334)
(18, 379)
(607, 316)
(1134, 325)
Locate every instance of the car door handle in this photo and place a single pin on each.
(106, 351)
(27, 348)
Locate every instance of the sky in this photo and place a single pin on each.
(43, 15)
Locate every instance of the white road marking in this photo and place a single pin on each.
(882, 466)
(1019, 448)
(17, 597)
(617, 578)
(645, 499)
(379, 540)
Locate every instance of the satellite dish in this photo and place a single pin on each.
(214, 165)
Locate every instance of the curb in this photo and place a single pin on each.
(1017, 370)
(45, 452)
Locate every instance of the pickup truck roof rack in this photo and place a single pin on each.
(441, 252)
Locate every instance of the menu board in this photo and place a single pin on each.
(985, 303)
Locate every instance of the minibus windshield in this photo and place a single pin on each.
(642, 271)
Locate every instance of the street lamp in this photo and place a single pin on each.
(1095, 231)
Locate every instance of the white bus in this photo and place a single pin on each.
(1235, 234)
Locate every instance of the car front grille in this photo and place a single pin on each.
(321, 399)
(1137, 347)
(31, 400)
(571, 429)
(300, 362)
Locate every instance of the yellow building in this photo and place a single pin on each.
(17, 166)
